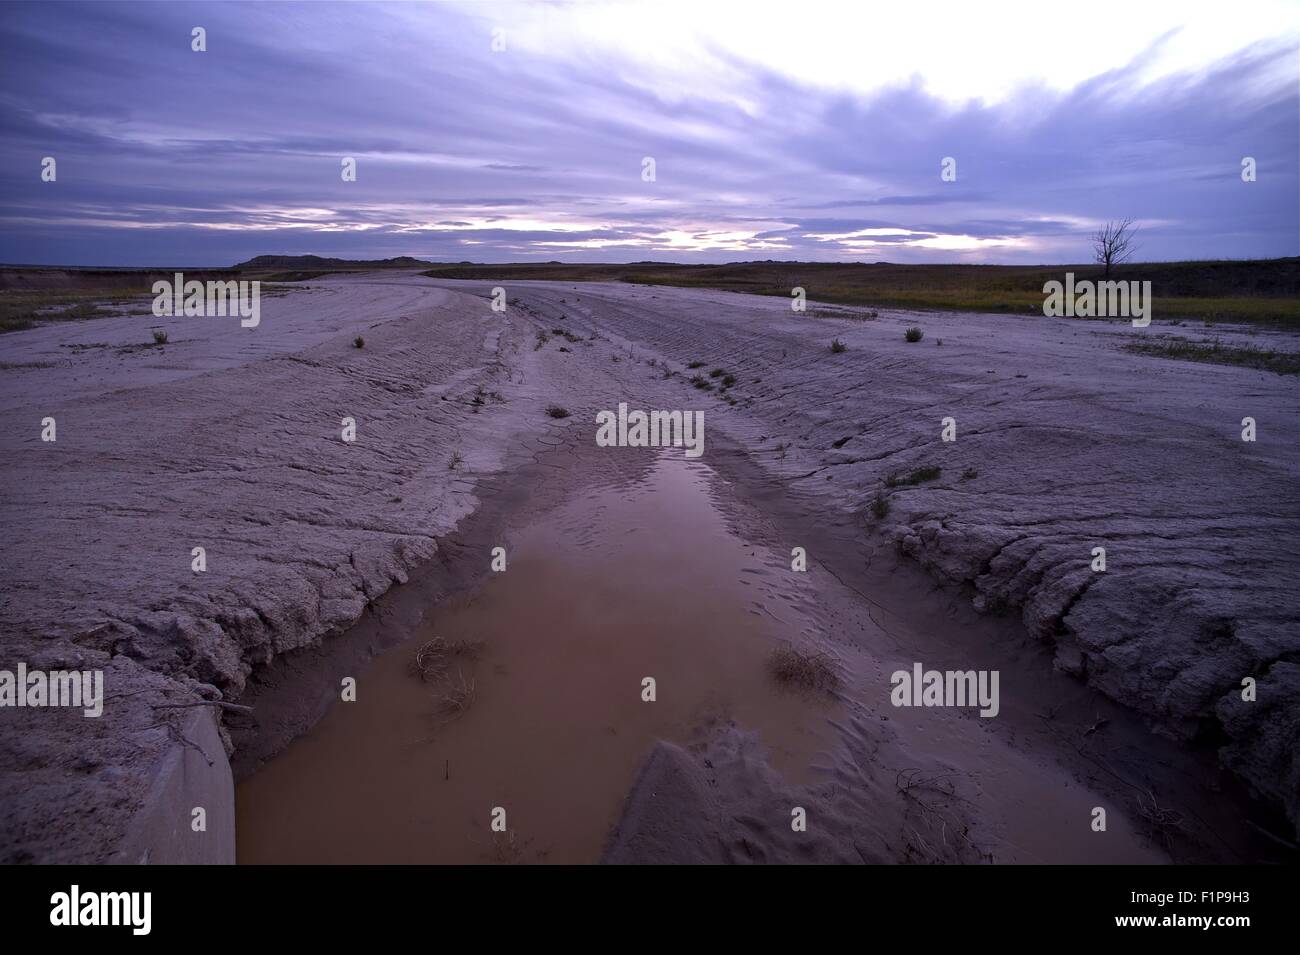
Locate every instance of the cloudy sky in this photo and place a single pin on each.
(794, 130)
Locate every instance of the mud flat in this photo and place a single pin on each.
(229, 439)
(1065, 442)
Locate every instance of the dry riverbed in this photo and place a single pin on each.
(626, 563)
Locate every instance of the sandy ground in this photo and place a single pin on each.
(228, 438)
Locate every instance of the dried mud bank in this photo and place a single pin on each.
(227, 439)
(1064, 442)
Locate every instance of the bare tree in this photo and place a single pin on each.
(1114, 244)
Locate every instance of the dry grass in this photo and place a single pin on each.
(933, 800)
(430, 660)
(433, 658)
(792, 667)
(506, 849)
(454, 693)
(1163, 822)
(458, 695)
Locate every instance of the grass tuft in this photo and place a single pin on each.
(433, 657)
(792, 667)
(919, 476)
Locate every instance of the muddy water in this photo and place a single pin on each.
(621, 584)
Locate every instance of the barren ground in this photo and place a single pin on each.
(229, 439)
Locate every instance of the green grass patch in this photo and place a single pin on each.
(1216, 353)
(919, 476)
(27, 308)
(1264, 291)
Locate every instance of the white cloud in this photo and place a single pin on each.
(958, 49)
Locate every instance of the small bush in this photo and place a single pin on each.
(555, 411)
(880, 507)
(159, 337)
(919, 476)
(913, 334)
(838, 346)
(702, 383)
(808, 671)
(358, 342)
(696, 364)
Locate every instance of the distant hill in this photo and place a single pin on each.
(316, 262)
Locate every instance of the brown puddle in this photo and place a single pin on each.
(615, 586)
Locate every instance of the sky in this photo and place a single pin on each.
(520, 132)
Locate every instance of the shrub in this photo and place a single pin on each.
(919, 476)
(798, 668)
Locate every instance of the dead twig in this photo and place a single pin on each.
(234, 707)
